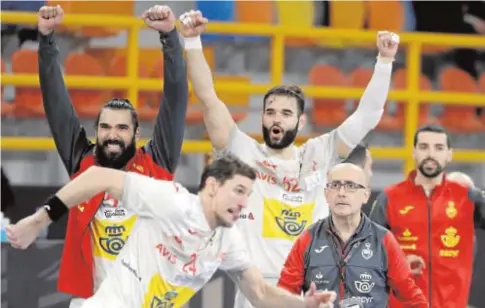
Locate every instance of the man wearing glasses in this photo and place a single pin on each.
(348, 253)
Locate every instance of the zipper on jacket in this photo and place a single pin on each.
(429, 252)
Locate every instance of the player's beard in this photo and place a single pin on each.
(114, 160)
(430, 173)
(286, 140)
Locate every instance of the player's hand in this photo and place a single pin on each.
(160, 18)
(319, 299)
(22, 234)
(416, 264)
(192, 23)
(387, 44)
(48, 18)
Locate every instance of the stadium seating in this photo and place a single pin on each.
(461, 119)
(328, 112)
(7, 108)
(86, 102)
(298, 14)
(481, 85)
(221, 11)
(388, 15)
(122, 8)
(28, 100)
(399, 81)
(145, 99)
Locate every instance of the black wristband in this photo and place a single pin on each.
(55, 208)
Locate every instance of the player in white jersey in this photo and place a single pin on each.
(178, 243)
(288, 194)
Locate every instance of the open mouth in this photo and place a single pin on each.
(276, 132)
(112, 147)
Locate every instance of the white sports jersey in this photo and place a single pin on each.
(288, 196)
(171, 256)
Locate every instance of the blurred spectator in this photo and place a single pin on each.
(462, 17)
(24, 33)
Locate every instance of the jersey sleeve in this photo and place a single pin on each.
(399, 275)
(236, 258)
(320, 154)
(241, 145)
(168, 134)
(148, 197)
(69, 135)
(378, 212)
(292, 277)
(477, 196)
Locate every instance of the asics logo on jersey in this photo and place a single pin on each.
(288, 222)
(321, 249)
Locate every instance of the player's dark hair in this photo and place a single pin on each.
(357, 156)
(432, 128)
(290, 91)
(225, 168)
(119, 104)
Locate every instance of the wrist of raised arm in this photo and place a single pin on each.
(169, 40)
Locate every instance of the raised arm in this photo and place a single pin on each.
(69, 135)
(477, 196)
(168, 135)
(371, 106)
(378, 212)
(217, 117)
(140, 194)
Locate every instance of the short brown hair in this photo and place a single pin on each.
(290, 91)
(225, 168)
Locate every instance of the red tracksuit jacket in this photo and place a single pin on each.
(440, 228)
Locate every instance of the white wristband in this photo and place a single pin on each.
(192, 43)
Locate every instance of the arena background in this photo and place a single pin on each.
(35, 171)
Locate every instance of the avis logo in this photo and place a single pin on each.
(364, 285)
(113, 243)
(289, 222)
(248, 216)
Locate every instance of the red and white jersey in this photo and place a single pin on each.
(287, 198)
(171, 256)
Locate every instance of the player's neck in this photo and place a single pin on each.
(346, 225)
(428, 184)
(207, 208)
(286, 153)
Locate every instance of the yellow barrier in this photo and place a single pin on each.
(412, 94)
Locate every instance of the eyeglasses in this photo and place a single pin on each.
(348, 186)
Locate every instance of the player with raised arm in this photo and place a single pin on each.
(288, 194)
(179, 240)
(98, 228)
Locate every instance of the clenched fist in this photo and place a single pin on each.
(387, 44)
(48, 18)
(192, 23)
(160, 18)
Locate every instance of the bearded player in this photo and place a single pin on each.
(434, 220)
(98, 228)
(288, 193)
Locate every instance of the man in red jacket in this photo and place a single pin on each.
(434, 221)
(348, 253)
(97, 229)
